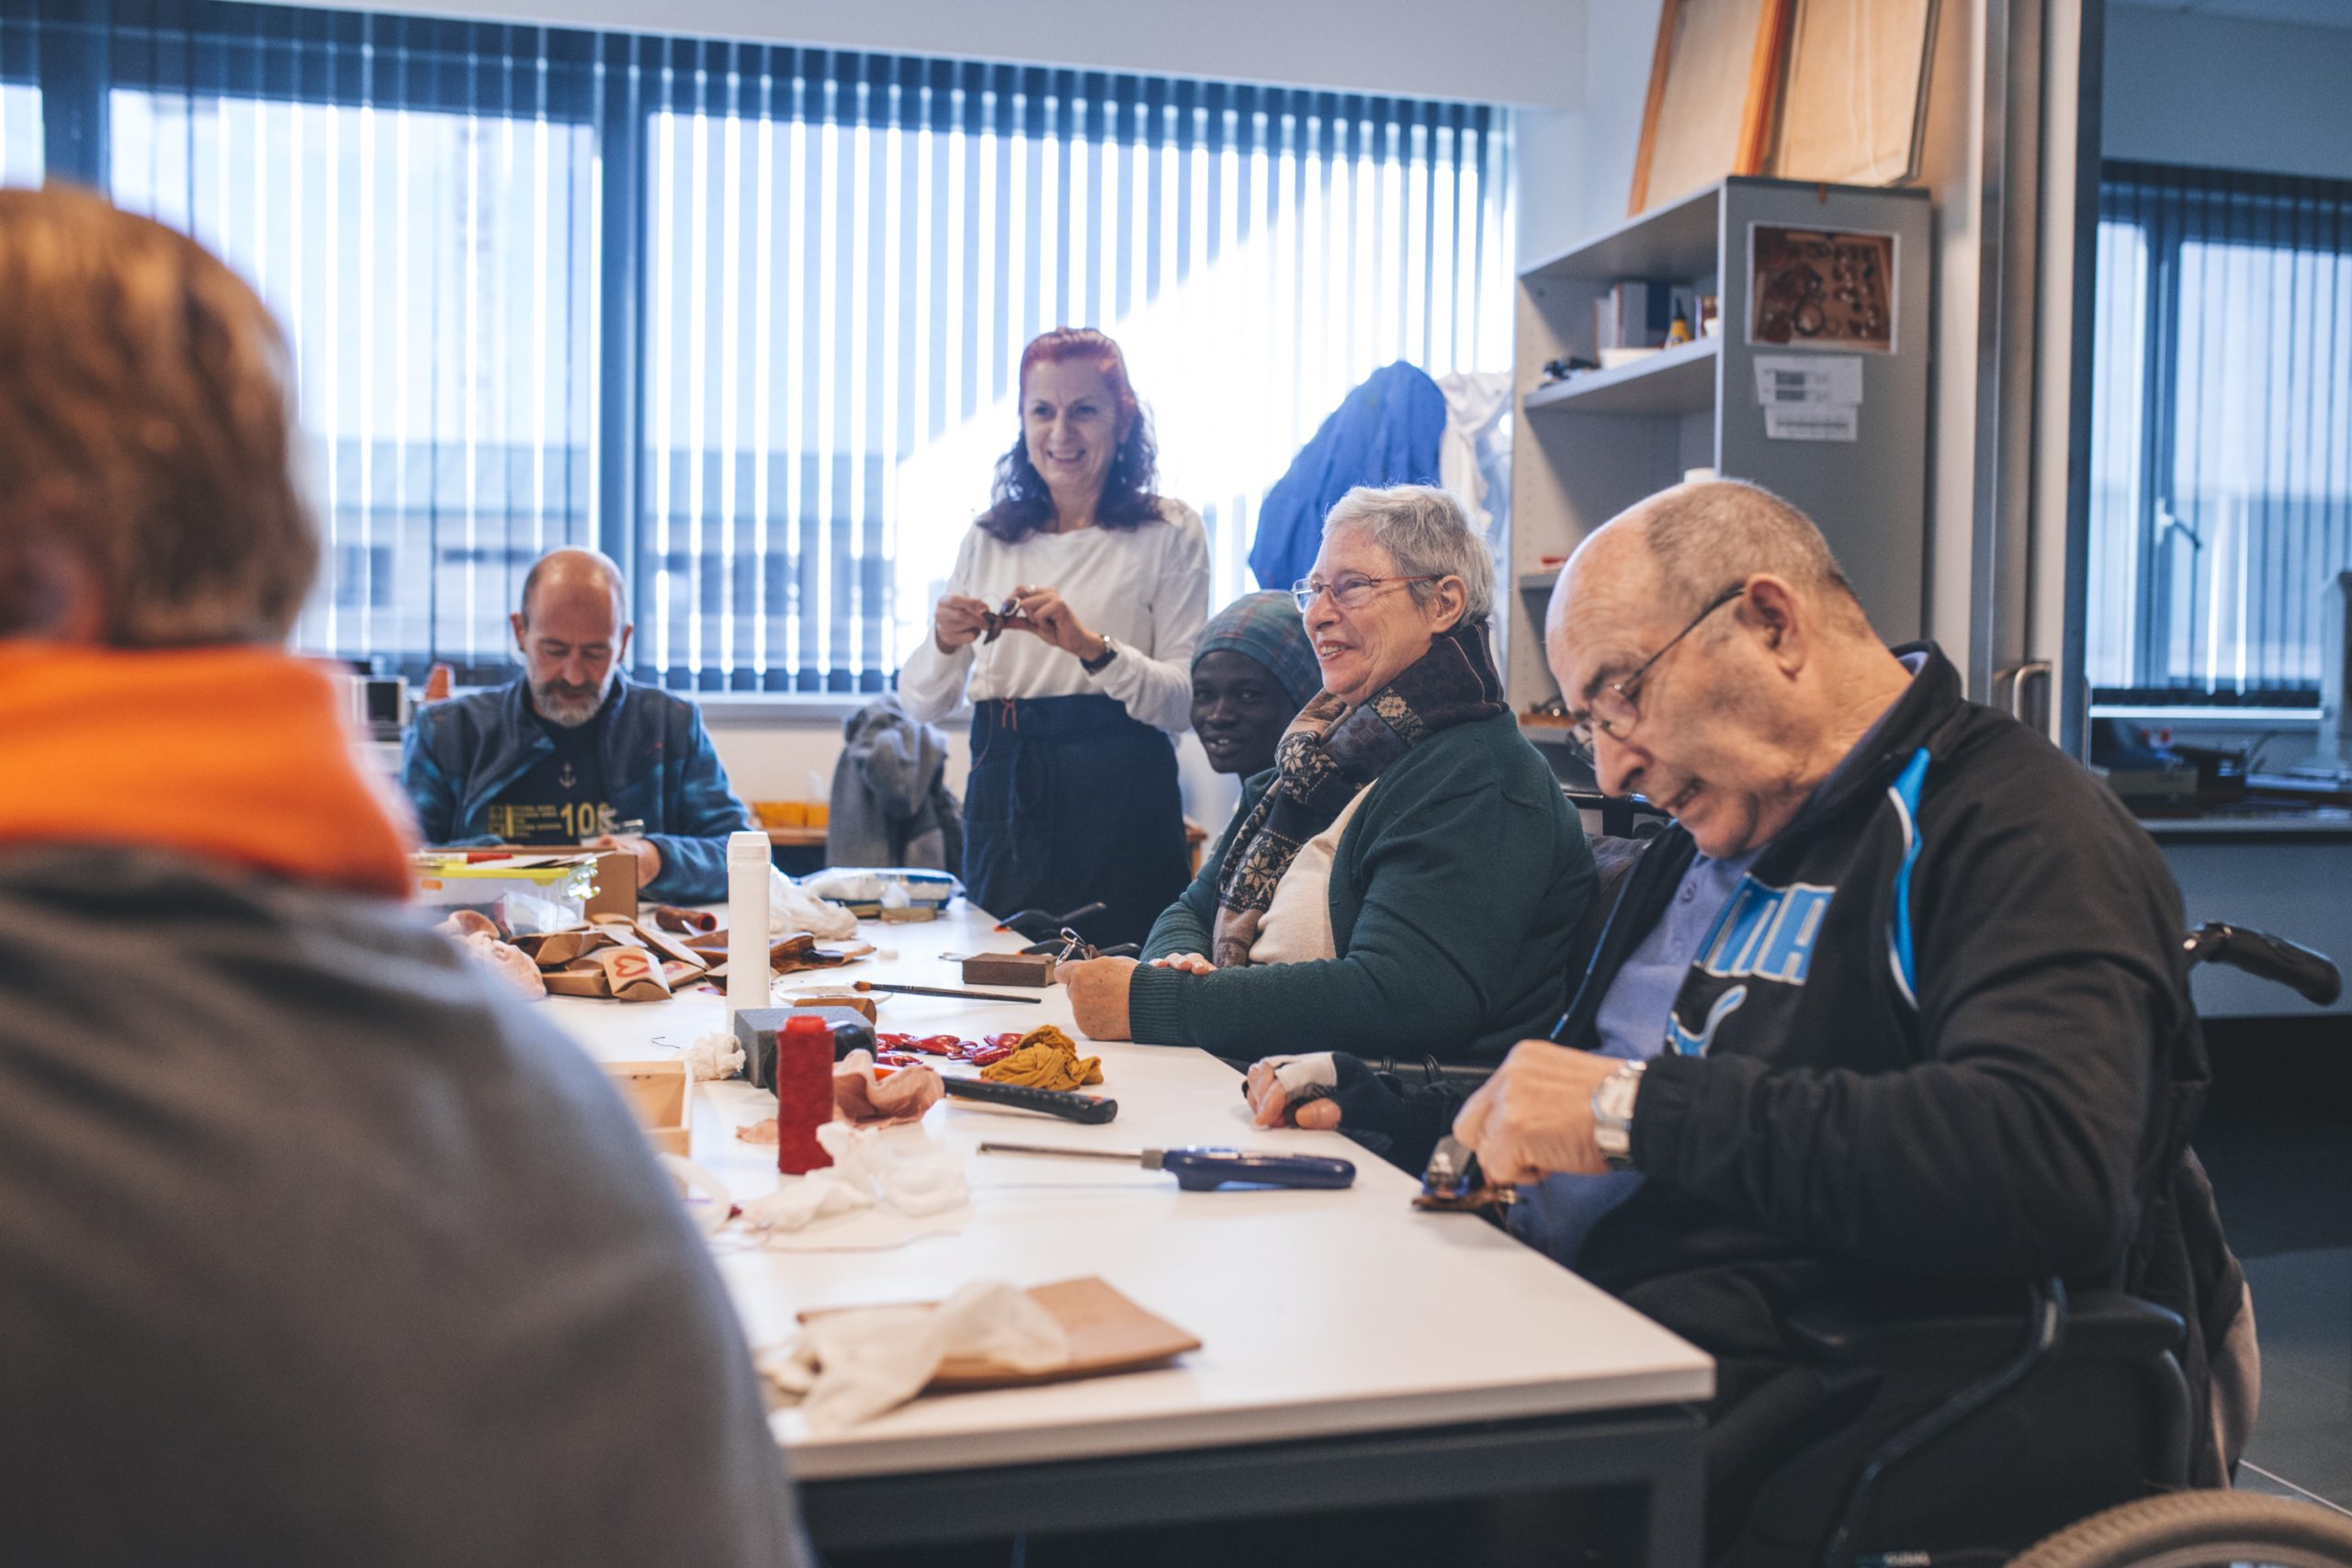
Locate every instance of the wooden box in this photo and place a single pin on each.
(663, 1095)
(1009, 969)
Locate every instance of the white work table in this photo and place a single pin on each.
(1339, 1329)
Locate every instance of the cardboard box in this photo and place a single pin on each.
(663, 1095)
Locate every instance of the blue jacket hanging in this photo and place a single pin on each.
(1385, 434)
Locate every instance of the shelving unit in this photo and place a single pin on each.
(1588, 447)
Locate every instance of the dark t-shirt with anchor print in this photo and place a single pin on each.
(561, 800)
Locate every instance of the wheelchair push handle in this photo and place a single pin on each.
(2266, 957)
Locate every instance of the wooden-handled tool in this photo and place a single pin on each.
(942, 991)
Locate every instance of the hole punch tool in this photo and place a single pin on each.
(1453, 1184)
(1207, 1169)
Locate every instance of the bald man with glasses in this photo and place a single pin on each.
(1896, 1003)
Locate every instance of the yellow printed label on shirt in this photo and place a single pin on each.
(568, 823)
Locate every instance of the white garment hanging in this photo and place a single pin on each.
(1470, 454)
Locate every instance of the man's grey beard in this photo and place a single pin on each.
(566, 713)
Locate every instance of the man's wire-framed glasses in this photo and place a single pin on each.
(1617, 706)
(1350, 589)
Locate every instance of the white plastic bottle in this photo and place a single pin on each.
(747, 923)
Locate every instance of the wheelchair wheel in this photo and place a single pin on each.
(2200, 1529)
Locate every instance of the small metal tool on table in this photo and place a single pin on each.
(1453, 1183)
(1206, 1169)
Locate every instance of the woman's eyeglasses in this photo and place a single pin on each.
(1350, 589)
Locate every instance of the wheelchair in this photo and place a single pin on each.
(1976, 1432)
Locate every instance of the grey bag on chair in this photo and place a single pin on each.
(890, 801)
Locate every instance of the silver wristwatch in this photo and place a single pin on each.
(1101, 661)
(1612, 1114)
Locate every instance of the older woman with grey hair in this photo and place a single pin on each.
(1405, 879)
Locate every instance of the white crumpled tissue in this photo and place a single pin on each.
(899, 1166)
(848, 1367)
(713, 1055)
(792, 908)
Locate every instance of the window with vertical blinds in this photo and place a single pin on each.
(747, 316)
(21, 159)
(2222, 432)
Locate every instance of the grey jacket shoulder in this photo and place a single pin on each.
(338, 1248)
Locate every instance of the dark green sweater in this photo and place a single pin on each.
(1454, 890)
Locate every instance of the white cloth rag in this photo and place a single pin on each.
(900, 1166)
(713, 1055)
(847, 1367)
(792, 908)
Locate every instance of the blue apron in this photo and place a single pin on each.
(1070, 800)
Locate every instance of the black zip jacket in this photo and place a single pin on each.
(1942, 1032)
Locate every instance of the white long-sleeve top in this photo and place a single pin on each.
(1145, 588)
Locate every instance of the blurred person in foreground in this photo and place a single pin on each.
(318, 1248)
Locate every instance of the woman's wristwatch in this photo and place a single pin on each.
(1101, 661)
(1612, 1114)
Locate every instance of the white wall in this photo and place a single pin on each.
(1575, 164)
(1487, 50)
(1576, 173)
(2221, 93)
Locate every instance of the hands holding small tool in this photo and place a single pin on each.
(1533, 1118)
(960, 619)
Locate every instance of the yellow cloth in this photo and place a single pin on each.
(1045, 1059)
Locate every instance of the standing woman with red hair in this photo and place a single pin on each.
(1069, 622)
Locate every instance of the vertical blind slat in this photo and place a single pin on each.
(837, 260)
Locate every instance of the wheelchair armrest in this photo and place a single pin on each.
(1880, 1331)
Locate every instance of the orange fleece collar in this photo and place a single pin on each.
(240, 754)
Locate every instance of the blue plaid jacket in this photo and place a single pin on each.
(660, 768)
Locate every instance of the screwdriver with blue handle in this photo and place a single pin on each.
(1204, 1170)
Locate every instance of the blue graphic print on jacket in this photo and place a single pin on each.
(1764, 933)
(658, 768)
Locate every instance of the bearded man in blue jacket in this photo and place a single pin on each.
(572, 751)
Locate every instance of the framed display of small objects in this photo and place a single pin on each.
(1820, 289)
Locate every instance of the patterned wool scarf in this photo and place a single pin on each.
(1330, 753)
